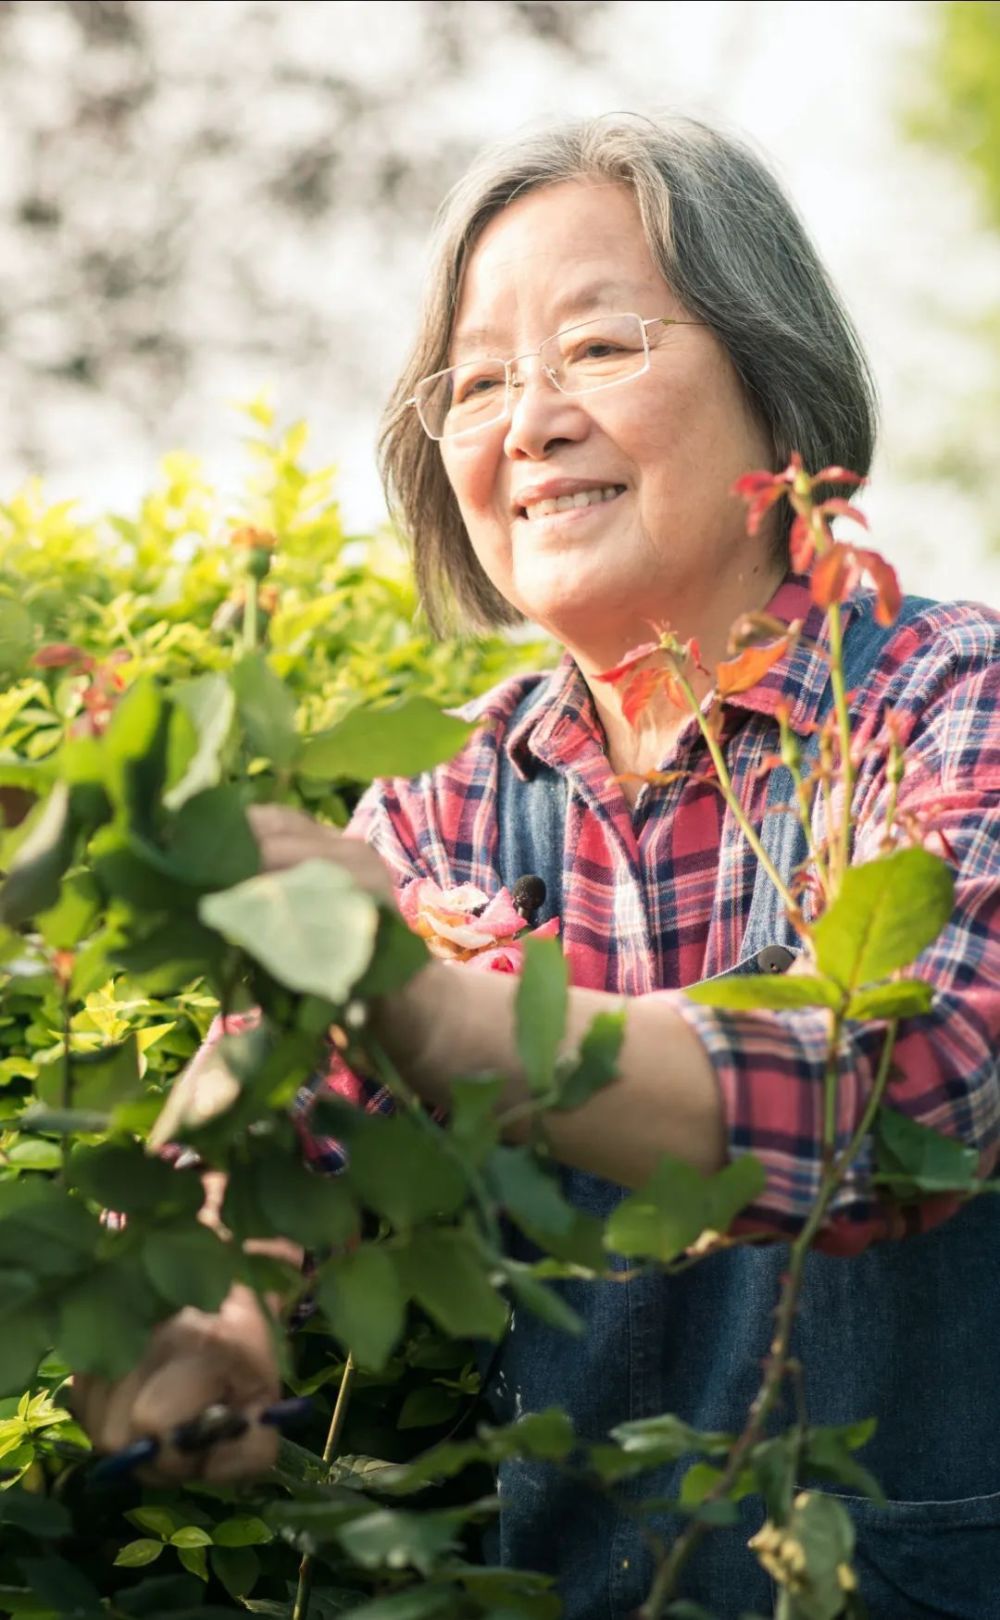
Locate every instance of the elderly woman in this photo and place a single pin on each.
(624, 317)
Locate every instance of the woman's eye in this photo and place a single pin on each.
(474, 388)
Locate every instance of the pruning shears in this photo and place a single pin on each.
(215, 1423)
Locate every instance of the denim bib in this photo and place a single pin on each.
(906, 1332)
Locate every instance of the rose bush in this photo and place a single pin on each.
(164, 674)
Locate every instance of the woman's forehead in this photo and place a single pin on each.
(557, 253)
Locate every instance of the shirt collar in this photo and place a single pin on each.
(565, 719)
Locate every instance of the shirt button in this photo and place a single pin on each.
(774, 959)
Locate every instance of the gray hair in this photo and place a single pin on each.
(733, 249)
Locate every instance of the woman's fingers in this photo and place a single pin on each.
(194, 1361)
(287, 837)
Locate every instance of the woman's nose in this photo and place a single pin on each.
(540, 413)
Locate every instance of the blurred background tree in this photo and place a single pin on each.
(956, 111)
(198, 200)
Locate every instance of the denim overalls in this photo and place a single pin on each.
(906, 1332)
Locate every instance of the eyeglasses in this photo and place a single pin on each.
(602, 353)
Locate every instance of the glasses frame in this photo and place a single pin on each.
(511, 382)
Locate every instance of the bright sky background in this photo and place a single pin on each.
(817, 86)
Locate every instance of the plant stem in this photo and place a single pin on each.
(844, 731)
(250, 614)
(67, 1076)
(776, 1368)
(303, 1591)
(726, 784)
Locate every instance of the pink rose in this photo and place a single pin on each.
(463, 924)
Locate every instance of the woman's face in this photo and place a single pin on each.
(671, 442)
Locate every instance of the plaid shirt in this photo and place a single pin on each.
(657, 896)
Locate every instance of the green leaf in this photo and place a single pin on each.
(189, 1267)
(195, 1561)
(540, 1010)
(40, 1516)
(135, 1554)
(667, 1438)
(207, 705)
(238, 1568)
(402, 1171)
(442, 1270)
(906, 999)
(887, 912)
(399, 954)
(427, 1408)
(827, 1454)
(43, 1221)
(210, 842)
(243, 1530)
(732, 1189)
(190, 1535)
(17, 637)
(123, 1176)
(308, 925)
(542, 1301)
(34, 875)
(702, 1477)
(160, 1520)
(25, 1340)
(773, 990)
(472, 1123)
(67, 1589)
(410, 737)
(104, 1320)
(100, 1078)
(266, 710)
(596, 1064)
(135, 753)
(74, 914)
(664, 1217)
(913, 1160)
(527, 1192)
(822, 1526)
(394, 1539)
(302, 1204)
(365, 1305)
(63, 1121)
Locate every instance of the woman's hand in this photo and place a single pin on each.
(286, 837)
(192, 1361)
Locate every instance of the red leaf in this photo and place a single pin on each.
(639, 692)
(754, 483)
(628, 663)
(839, 508)
(883, 575)
(834, 575)
(837, 475)
(801, 545)
(62, 655)
(740, 674)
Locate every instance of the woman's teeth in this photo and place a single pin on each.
(583, 497)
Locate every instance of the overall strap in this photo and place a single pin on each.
(781, 833)
(531, 817)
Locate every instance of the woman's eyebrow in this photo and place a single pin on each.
(603, 293)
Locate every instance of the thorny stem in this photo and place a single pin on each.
(303, 1590)
(776, 1368)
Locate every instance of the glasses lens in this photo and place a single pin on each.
(463, 398)
(597, 353)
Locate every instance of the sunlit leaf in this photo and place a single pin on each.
(403, 740)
